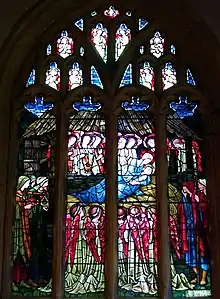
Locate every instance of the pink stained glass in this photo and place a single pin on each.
(147, 75)
(65, 45)
(53, 76)
(168, 76)
(157, 45)
(75, 76)
(111, 12)
(122, 39)
(99, 38)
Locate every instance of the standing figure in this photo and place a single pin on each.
(180, 147)
(193, 231)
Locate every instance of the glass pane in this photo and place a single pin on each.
(188, 206)
(111, 13)
(99, 38)
(168, 76)
(147, 75)
(122, 39)
(85, 214)
(53, 76)
(142, 23)
(127, 76)
(95, 79)
(65, 45)
(79, 24)
(190, 79)
(137, 242)
(157, 45)
(32, 225)
(31, 78)
(75, 76)
(49, 49)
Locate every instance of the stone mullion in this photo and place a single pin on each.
(162, 206)
(9, 207)
(59, 203)
(111, 208)
(212, 145)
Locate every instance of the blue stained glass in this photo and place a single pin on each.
(190, 79)
(127, 77)
(38, 108)
(135, 105)
(172, 49)
(79, 24)
(49, 49)
(86, 105)
(183, 108)
(142, 23)
(95, 79)
(31, 78)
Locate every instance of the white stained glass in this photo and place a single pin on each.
(157, 45)
(64, 45)
(147, 76)
(53, 76)
(168, 76)
(122, 39)
(99, 37)
(75, 76)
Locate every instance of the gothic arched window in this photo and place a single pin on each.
(111, 177)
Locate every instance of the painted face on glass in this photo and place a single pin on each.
(121, 142)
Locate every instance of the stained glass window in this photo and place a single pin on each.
(188, 207)
(75, 76)
(122, 39)
(99, 38)
(111, 12)
(127, 77)
(108, 157)
(95, 79)
(31, 78)
(157, 45)
(65, 45)
(147, 75)
(53, 76)
(32, 228)
(137, 241)
(85, 206)
(168, 76)
(190, 79)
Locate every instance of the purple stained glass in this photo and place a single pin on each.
(95, 79)
(31, 78)
(127, 77)
(183, 108)
(87, 105)
(157, 45)
(99, 38)
(111, 12)
(53, 76)
(38, 108)
(168, 76)
(135, 105)
(65, 45)
(122, 39)
(75, 76)
(190, 79)
(147, 75)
